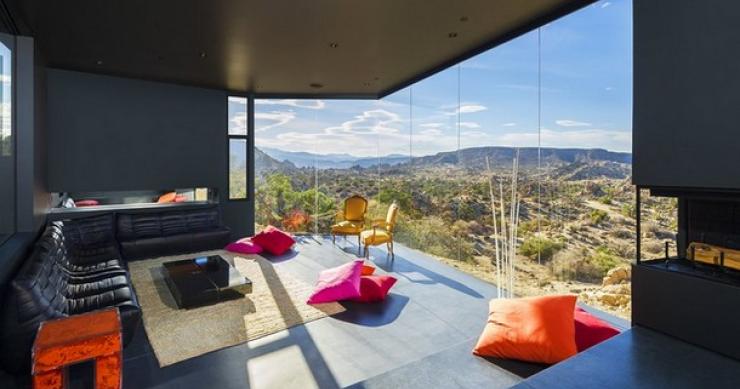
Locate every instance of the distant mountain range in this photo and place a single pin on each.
(474, 157)
(335, 161)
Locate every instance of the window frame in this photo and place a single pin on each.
(245, 138)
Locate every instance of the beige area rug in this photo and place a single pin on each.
(277, 302)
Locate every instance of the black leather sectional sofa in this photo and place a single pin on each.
(80, 265)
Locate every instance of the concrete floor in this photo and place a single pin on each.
(420, 336)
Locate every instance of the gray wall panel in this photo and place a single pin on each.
(686, 104)
(110, 133)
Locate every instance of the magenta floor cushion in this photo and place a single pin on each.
(244, 247)
(338, 283)
(273, 240)
(374, 288)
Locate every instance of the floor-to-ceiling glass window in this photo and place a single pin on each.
(586, 136)
(7, 142)
(513, 165)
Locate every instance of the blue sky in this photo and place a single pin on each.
(586, 92)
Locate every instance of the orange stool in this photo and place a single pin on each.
(66, 341)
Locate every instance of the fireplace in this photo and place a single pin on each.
(692, 292)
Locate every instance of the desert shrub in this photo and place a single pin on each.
(650, 229)
(624, 250)
(622, 233)
(628, 210)
(433, 235)
(583, 266)
(653, 247)
(598, 216)
(543, 248)
(604, 259)
(606, 199)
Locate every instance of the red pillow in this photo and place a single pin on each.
(374, 288)
(180, 199)
(86, 203)
(591, 330)
(273, 240)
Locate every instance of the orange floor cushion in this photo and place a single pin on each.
(533, 329)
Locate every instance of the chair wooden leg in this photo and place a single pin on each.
(359, 245)
(333, 239)
(393, 256)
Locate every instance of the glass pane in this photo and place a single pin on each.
(587, 196)
(290, 146)
(237, 169)
(237, 116)
(7, 157)
(502, 128)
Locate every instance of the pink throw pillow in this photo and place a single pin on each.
(338, 283)
(86, 203)
(273, 240)
(243, 247)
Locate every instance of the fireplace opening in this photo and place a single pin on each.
(707, 241)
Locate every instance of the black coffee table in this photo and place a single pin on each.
(204, 280)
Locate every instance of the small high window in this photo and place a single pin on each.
(237, 148)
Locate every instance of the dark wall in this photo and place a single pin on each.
(33, 199)
(110, 133)
(686, 83)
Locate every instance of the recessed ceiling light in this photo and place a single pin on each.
(333, 45)
(452, 35)
(99, 62)
(203, 54)
(316, 85)
(463, 19)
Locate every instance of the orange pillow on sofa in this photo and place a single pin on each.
(167, 198)
(533, 329)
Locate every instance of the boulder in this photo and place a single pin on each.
(617, 275)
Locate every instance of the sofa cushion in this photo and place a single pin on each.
(338, 283)
(532, 329)
(168, 197)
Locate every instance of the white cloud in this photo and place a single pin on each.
(509, 124)
(592, 138)
(376, 121)
(470, 108)
(274, 119)
(605, 4)
(308, 104)
(463, 108)
(608, 89)
(431, 131)
(432, 125)
(571, 123)
(469, 125)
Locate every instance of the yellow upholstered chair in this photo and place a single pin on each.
(353, 218)
(382, 231)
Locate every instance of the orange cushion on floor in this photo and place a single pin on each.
(533, 329)
(367, 270)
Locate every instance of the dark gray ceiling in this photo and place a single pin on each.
(277, 47)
